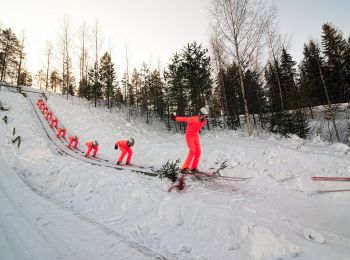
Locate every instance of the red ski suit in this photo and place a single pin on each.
(61, 132)
(49, 116)
(42, 106)
(71, 140)
(39, 102)
(90, 145)
(123, 146)
(194, 124)
(54, 122)
(46, 112)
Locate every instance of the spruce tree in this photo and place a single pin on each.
(335, 50)
(196, 69)
(107, 78)
(175, 80)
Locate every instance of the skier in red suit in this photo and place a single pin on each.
(91, 145)
(46, 112)
(61, 132)
(49, 116)
(194, 125)
(73, 139)
(42, 106)
(54, 122)
(39, 102)
(125, 147)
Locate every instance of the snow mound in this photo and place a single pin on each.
(313, 236)
(267, 245)
(339, 147)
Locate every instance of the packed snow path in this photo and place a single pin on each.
(273, 216)
(35, 226)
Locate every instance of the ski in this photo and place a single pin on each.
(329, 191)
(216, 176)
(319, 178)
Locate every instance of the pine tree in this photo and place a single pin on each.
(288, 74)
(175, 80)
(335, 50)
(55, 80)
(196, 69)
(94, 84)
(9, 49)
(156, 93)
(135, 85)
(311, 82)
(107, 78)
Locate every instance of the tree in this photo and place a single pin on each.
(196, 70)
(288, 85)
(21, 57)
(108, 78)
(241, 25)
(9, 48)
(40, 78)
(175, 80)
(48, 61)
(55, 80)
(156, 93)
(335, 50)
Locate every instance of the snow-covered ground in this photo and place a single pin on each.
(54, 206)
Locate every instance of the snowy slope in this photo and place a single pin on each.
(275, 215)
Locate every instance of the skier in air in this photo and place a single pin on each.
(91, 145)
(194, 125)
(61, 132)
(125, 147)
(73, 139)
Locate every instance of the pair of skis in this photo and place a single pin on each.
(324, 178)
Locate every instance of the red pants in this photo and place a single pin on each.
(194, 153)
(61, 132)
(124, 152)
(75, 143)
(89, 150)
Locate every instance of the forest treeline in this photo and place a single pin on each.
(247, 73)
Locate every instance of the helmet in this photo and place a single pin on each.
(204, 111)
(95, 143)
(131, 141)
(75, 137)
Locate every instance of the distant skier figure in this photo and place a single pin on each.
(194, 125)
(91, 145)
(49, 116)
(42, 106)
(46, 112)
(39, 102)
(73, 139)
(61, 132)
(125, 147)
(54, 122)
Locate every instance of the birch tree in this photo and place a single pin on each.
(241, 25)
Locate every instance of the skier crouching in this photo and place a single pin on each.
(91, 145)
(73, 139)
(194, 125)
(61, 132)
(125, 147)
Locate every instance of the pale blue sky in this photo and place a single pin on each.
(155, 29)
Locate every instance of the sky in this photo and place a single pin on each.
(153, 30)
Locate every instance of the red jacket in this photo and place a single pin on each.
(194, 124)
(91, 144)
(123, 144)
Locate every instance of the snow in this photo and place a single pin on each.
(54, 206)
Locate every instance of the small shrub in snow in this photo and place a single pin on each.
(169, 170)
